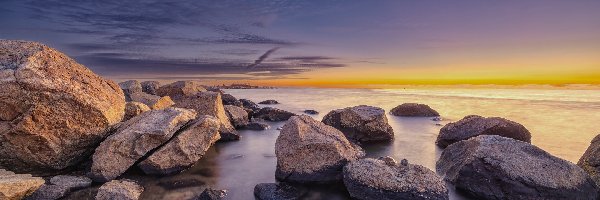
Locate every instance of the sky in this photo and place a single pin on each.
(320, 42)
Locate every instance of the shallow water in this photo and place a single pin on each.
(562, 122)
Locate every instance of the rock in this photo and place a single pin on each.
(414, 110)
(311, 112)
(249, 105)
(309, 151)
(237, 116)
(130, 87)
(71, 182)
(273, 114)
(269, 102)
(209, 103)
(48, 192)
(17, 186)
(133, 109)
(590, 161)
(134, 138)
(277, 191)
(473, 125)
(119, 190)
(495, 167)
(59, 187)
(436, 119)
(180, 89)
(229, 99)
(361, 123)
(257, 126)
(210, 194)
(53, 110)
(150, 87)
(385, 179)
(152, 101)
(185, 149)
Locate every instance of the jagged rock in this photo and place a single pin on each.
(309, 151)
(386, 179)
(237, 116)
(229, 99)
(180, 89)
(311, 112)
(495, 167)
(590, 161)
(209, 103)
(273, 114)
(211, 194)
(130, 87)
(414, 110)
(185, 149)
(133, 109)
(120, 190)
(17, 186)
(257, 126)
(269, 102)
(249, 105)
(153, 101)
(134, 138)
(277, 191)
(473, 125)
(361, 123)
(53, 110)
(150, 87)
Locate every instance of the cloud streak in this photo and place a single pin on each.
(263, 57)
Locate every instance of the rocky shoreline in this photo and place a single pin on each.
(65, 129)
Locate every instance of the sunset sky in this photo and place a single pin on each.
(320, 42)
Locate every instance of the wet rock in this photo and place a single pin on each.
(153, 101)
(273, 114)
(495, 167)
(386, 179)
(473, 125)
(268, 102)
(180, 89)
(211, 194)
(59, 186)
(229, 99)
(257, 126)
(120, 189)
(150, 87)
(590, 161)
(414, 110)
(17, 186)
(309, 151)
(361, 123)
(311, 112)
(53, 110)
(249, 105)
(209, 103)
(133, 109)
(130, 87)
(134, 138)
(237, 116)
(277, 191)
(185, 149)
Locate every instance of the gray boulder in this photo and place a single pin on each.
(130, 87)
(237, 116)
(361, 123)
(134, 138)
(185, 149)
(495, 167)
(382, 179)
(17, 186)
(150, 87)
(153, 101)
(59, 186)
(473, 125)
(119, 190)
(209, 103)
(180, 89)
(309, 151)
(133, 109)
(273, 114)
(278, 191)
(414, 110)
(590, 161)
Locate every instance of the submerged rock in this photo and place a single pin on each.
(273, 114)
(53, 110)
(17, 186)
(309, 151)
(130, 87)
(590, 161)
(229, 99)
(133, 109)
(237, 116)
(185, 149)
(277, 191)
(211, 194)
(414, 110)
(473, 125)
(180, 89)
(257, 126)
(134, 138)
(495, 167)
(361, 123)
(386, 179)
(311, 112)
(150, 87)
(209, 103)
(152, 101)
(120, 189)
(269, 102)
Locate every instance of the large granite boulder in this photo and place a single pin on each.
(53, 110)
(134, 138)
(237, 116)
(381, 179)
(495, 167)
(133, 109)
(119, 190)
(209, 103)
(17, 186)
(309, 151)
(590, 161)
(361, 123)
(278, 191)
(229, 99)
(273, 114)
(414, 110)
(130, 87)
(59, 186)
(185, 149)
(180, 89)
(150, 87)
(473, 125)
(153, 101)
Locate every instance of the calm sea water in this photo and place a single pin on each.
(562, 122)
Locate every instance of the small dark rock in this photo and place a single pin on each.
(269, 102)
(249, 105)
(211, 194)
(273, 114)
(150, 87)
(257, 126)
(278, 191)
(311, 112)
(414, 110)
(229, 99)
